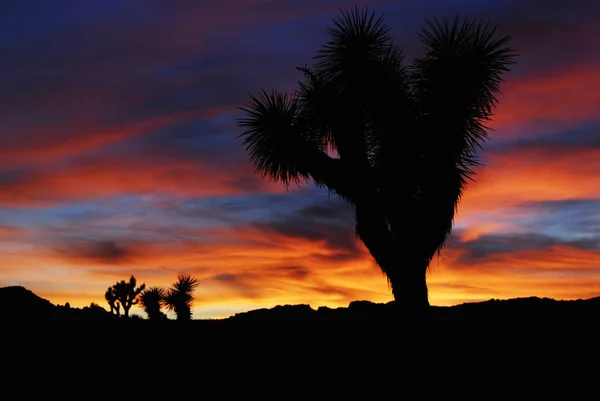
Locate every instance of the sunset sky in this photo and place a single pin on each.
(118, 156)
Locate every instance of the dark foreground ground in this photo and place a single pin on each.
(520, 349)
(460, 358)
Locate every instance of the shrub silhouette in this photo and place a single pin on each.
(111, 297)
(94, 312)
(151, 301)
(124, 293)
(179, 297)
(403, 137)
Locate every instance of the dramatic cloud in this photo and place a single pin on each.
(119, 156)
(10, 232)
(493, 246)
(536, 104)
(108, 252)
(331, 225)
(106, 176)
(534, 173)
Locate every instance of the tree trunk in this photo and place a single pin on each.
(407, 277)
(409, 285)
(414, 330)
(406, 273)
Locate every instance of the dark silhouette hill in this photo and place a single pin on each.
(19, 303)
(534, 308)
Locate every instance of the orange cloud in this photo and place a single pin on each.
(530, 174)
(102, 178)
(559, 272)
(40, 142)
(12, 232)
(478, 229)
(552, 101)
(244, 268)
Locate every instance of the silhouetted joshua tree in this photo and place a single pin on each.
(398, 141)
(152, 300)
(126, 294)
(179, 297)
(111, 298)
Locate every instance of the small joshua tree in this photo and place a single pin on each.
(124, 293)
(179, 298)
(111, 298)
(151, 301)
